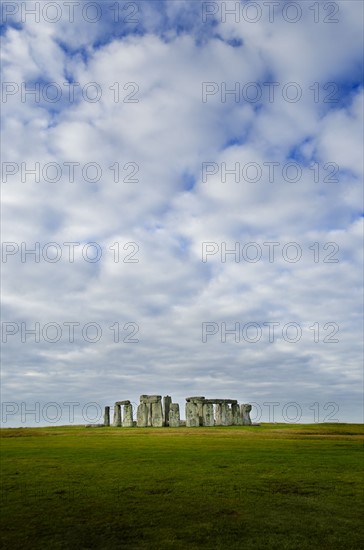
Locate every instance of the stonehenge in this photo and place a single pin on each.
(199, 412)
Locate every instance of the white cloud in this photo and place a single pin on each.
(171, 211)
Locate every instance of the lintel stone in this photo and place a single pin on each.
(221, 401)
(150, 398)
(195, 398)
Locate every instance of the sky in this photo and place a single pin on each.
(182, 207)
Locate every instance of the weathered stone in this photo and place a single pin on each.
(199, 404)
(150, 398)
(154, 409)
(157, 414)
(245, 410)
(208, 414)
(117, 415)
(225, 417)
(174, 415)
(218, 420)
(220, 401)
(149, 408)
(195, 398)
(142, 415)
(199, 412)
(167, 400)
(192, 417)
(107, 416)
(235, 413)
(128, 416)
(228, 415)
(199, 401)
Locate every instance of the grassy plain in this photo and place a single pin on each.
(274, 486)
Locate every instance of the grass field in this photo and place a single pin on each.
(272, 486)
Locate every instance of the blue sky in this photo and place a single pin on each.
(163, 154)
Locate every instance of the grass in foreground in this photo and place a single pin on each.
(274, 486)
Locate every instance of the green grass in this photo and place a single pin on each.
(268, 487)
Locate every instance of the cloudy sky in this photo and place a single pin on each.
(182, 206)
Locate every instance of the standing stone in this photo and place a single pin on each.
(150, 419)
(167, 400)
(235, 412)
(155, 411)
(199, 404)
(208, 414)
(218, 414)
(117, 415)
(157, 414)
(225, 416)
(192, 417)
(199, 401)
(245, 410)
(128, 416)
(142, 415)
(174, 415)
(107, 416)
(229, 415)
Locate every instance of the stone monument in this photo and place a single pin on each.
(199, 412)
